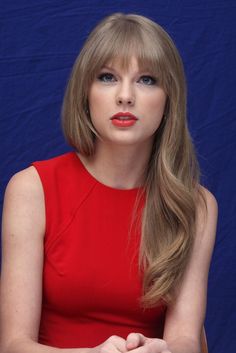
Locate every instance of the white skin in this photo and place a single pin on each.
(114, 164)
(115, 90)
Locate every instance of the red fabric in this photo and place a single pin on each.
(91, 282)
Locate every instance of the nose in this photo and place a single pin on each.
(125, 95)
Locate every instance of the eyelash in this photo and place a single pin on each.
(102, 76)
(105, 74)
(152, 79)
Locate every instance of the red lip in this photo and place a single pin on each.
(124, 114)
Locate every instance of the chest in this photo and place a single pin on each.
(92, 263)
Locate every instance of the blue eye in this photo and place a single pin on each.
(148, 80)
(106, 77)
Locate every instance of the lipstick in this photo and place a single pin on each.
(123, 119)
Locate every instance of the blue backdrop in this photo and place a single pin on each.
(39, 43)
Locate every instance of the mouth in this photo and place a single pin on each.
(123, 119)
(124, 116)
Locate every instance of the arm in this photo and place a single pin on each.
(22, 242)
(22, 264)
(185, 317)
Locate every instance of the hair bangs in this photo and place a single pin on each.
(127, 40)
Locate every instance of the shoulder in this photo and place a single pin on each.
(58, 169)
(30, 180)
(24, 202)
(210, 199)
(206, 222)
(56, 161)
(27, 182)
(207, 207)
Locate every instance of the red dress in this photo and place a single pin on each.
(91, 282)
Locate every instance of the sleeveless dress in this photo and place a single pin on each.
(91, 282)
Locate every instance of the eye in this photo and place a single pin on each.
(147, 80)
(106, 77)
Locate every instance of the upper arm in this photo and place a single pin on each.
(22, 261)
(185, 317)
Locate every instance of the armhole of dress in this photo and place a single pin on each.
(41, 178)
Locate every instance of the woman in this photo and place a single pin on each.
(120, 232)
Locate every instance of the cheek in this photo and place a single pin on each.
(99, 104)
(93, 100)
(155, 107)
(158, 103)
(154, 102)
(98, 99)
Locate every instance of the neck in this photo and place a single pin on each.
(120, 167)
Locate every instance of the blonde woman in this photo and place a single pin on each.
(107, 248)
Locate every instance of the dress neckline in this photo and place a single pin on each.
(102, 185)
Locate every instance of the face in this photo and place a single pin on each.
(126, 106)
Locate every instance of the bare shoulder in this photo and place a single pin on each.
(24, 200)
(206, 221)
(207, 206)
(25, 180)
(210, 199)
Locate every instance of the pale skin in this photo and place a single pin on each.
(117, 153)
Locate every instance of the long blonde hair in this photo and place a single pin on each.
(172, 176)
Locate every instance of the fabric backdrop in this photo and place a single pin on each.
(39, 42)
